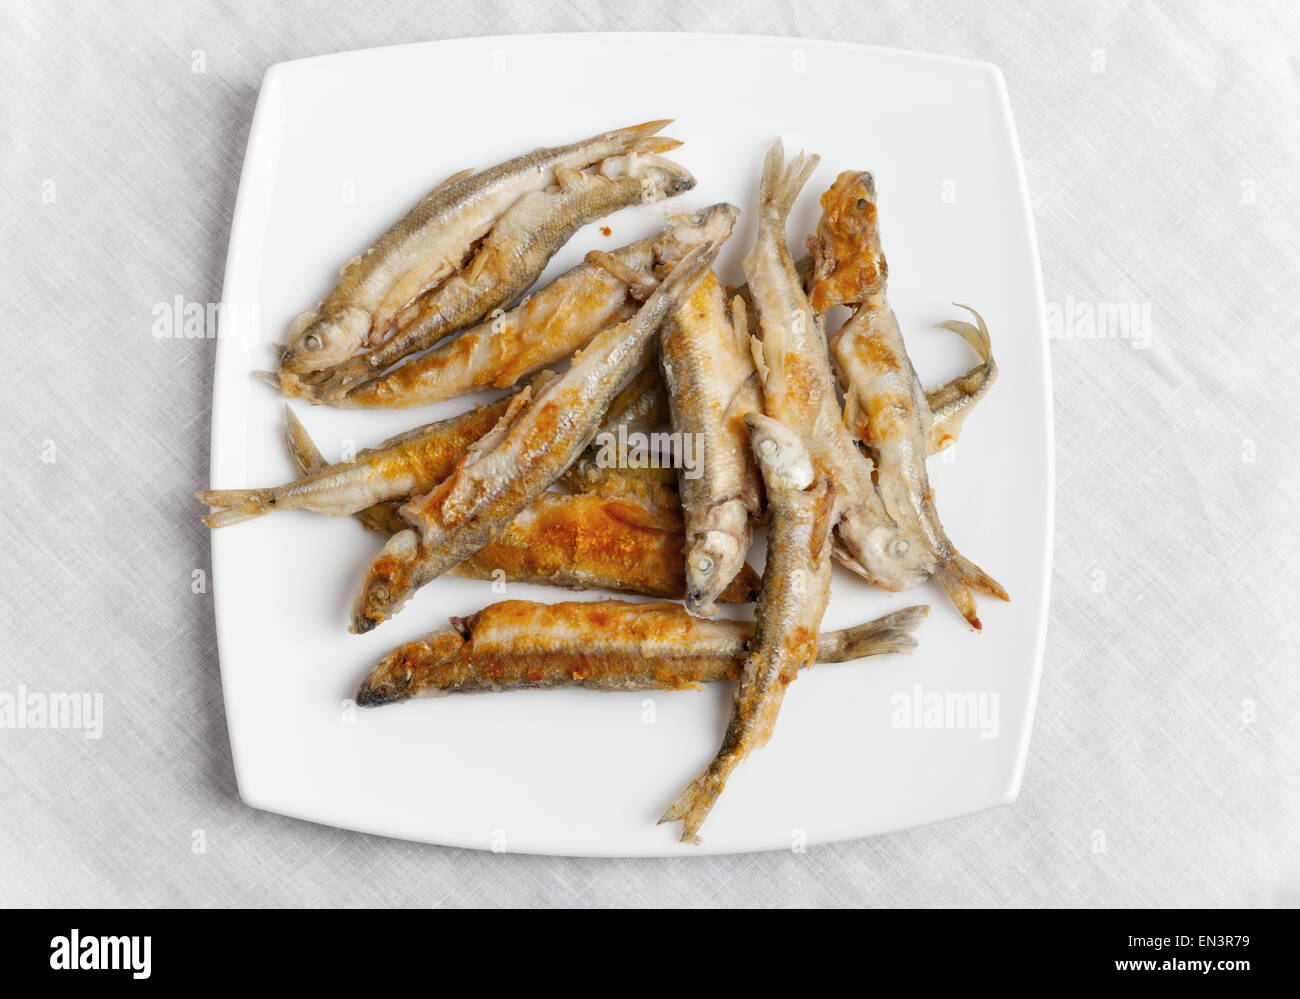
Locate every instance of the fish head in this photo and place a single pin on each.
(896, 561)
(849, 263)
(390, 680)
(315, 341)
(712, 563)
(781, 453)
(659, 177)
(691, 229)
(389, 583)
(406, 671)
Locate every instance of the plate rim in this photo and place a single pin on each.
(276, 76)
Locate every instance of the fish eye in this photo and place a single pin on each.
(899, 548)
(379, 593)
(862, 204)
(312, 341)
(768, 446)
(704, 563)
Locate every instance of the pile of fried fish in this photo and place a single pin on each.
(520, 489)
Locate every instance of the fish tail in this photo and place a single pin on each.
(958, 577)
(891, 633)
(653, 145)
(783, 181)
(977, 336)
(633, 133)
(236, 505)
(693, 805)
(637, 139)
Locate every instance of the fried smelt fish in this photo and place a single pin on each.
(799, 388)
(430, 243)
(709, 370)
(602, 645)
(793, 598)
(884, 400)
(586, 542)
(511, 258)
(536, 440)
(404, 465)
(548, 325)
(575, 541)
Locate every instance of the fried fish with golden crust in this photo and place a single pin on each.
(602, 645)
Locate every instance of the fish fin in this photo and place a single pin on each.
(888, 634)
(841, 554)
(825, 517)
(568, 178)
(782, 182)
(760, 364)
(958, 577)
(383, 517)
(413, 511)
(480, 262)
(234, 506)
(463, 626)
(639, 284)
(302, 449)
(455, 178)
(634, 131)
(268, 378)
(292, 386)
(636, 515)
(740, 322)
(747, 398)
(502, 427)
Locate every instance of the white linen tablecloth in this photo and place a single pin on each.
(1163, 157)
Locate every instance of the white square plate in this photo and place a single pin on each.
(340, 147)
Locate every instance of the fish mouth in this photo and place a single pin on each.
(679, 185)
(362, 623)
(699, 603)
(377, 695)
(701, 592)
